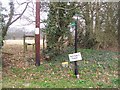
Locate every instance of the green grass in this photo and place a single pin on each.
(98, 69)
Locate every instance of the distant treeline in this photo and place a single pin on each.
(18, 33)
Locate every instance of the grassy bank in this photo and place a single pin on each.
(98, 69)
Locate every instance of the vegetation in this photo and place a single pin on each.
(119, 25)
(97, 31)
(1, 25)
(57, 31)
(98, 69)
(97, 26)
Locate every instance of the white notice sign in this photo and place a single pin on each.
(75, 57)
(36, 30)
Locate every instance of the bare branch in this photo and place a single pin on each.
(11, 13)
(70, 8)
(20, 15)
(66, 8)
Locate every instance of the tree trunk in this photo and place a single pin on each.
(119, 25)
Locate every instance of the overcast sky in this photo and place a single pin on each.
(22, 22)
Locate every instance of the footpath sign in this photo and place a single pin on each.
(75, 57)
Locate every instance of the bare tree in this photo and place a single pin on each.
(11, 15)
